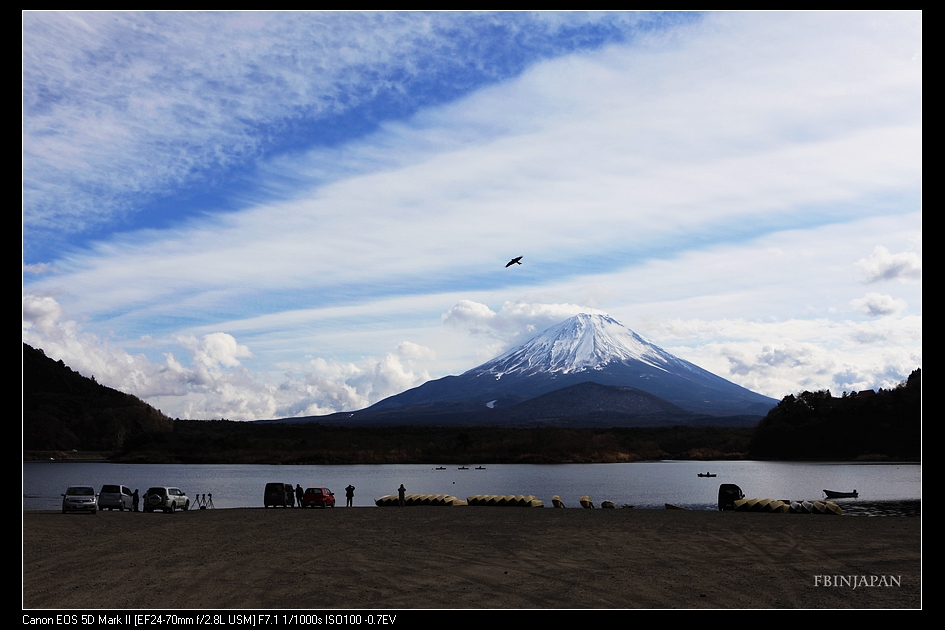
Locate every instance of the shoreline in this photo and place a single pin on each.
(900, 508)
(42, 456)
(481, 558)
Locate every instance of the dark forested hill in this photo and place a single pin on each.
(63, 410)
(816, 425)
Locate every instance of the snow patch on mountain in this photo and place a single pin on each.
(583, 342)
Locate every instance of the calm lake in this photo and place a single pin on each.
(884, 489)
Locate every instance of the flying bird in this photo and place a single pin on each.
(514, 261)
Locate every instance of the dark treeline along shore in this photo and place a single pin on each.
(66, 415)
(243, 442)
(817, 425)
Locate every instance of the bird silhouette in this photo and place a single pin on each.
(514, 261)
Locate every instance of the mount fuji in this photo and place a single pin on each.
(587, 348)
(587, 371)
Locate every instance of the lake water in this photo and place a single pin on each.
(893, 489)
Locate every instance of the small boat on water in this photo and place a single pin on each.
(834, 494)
(463, 468)
(707, 474)
(440, 468)
(480, 467)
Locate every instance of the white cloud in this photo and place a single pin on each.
(839, 355)
(514, 323)
(216, 385)
(883, 265)
(410, 350)
(216, 349)
(878, 305)
(38, 268)
(41, 312)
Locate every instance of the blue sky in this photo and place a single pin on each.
(255, 215)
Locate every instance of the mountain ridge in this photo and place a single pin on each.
(63, 410)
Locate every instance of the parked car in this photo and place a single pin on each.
(166, 500)
(279, 494)
(79, 499)
(114, 497)
(318, 497)
(729, 493)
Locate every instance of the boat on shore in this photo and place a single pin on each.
(834, 494)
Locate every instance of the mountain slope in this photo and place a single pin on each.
(63, 410)
(585, 348)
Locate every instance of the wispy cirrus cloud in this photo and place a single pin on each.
(123, 109)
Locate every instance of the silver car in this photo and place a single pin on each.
(79, 499)
(113, 497)
(166, 500)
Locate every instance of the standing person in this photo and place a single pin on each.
(349, 495)
(298, 494)
(401, 491)
(134, 501)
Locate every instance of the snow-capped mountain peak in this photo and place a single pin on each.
(583, 342)
(586, 348)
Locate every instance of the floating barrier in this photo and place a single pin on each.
(393, 500)
(500, 500)
(787, 507)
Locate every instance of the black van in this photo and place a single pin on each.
(729, 493)
(279, 494)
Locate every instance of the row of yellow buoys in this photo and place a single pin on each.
(787, 507)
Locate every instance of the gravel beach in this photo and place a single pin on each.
(468, 557)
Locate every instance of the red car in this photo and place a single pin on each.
(318, 497)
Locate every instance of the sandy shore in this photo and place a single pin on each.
(468, 557)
